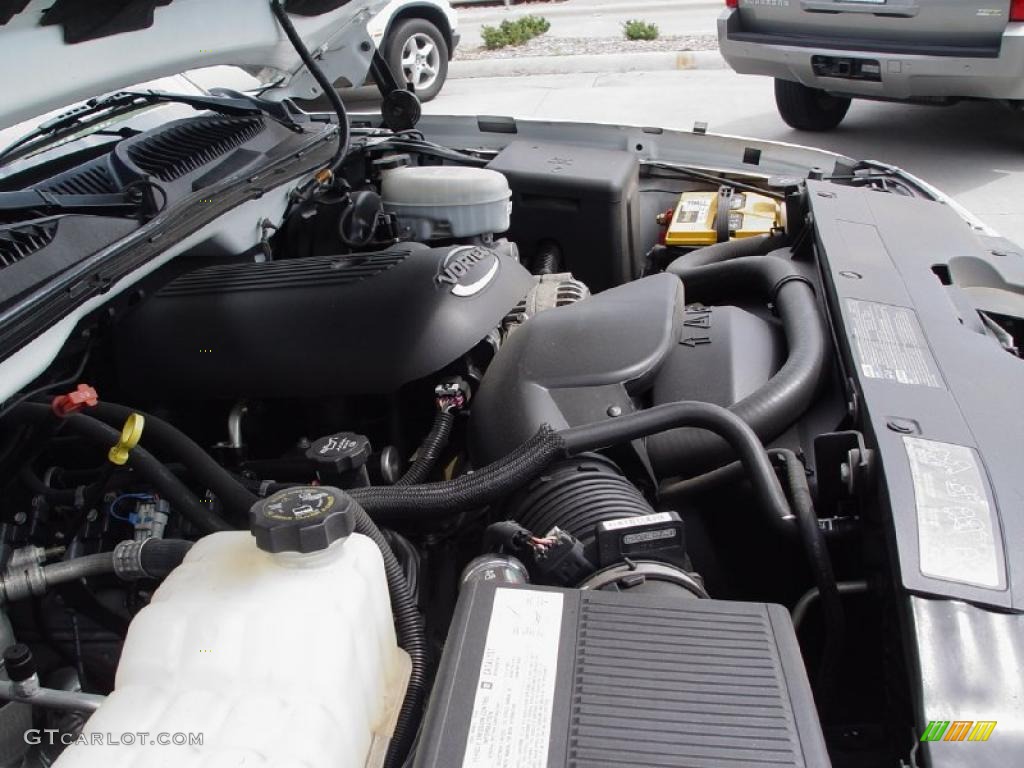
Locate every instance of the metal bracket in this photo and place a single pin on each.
(845, 469)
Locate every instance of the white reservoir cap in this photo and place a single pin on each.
(443, 185)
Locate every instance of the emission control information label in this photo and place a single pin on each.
(511, 722)
(888, 344)
(957, 534)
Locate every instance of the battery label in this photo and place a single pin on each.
(693, 210)
(889, 344)
(511, 722)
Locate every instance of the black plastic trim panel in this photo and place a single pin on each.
(91, 276)
(11, 8)
(95, 19)
(866, 45)
(880, 249)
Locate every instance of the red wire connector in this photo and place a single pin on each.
(83, 395)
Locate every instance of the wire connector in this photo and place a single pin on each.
(452, 394)
(82, 396)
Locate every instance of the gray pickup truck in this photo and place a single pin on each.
(823, 53)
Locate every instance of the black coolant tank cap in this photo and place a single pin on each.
(302, 519)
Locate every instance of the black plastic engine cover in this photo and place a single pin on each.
(577, 364)
(358, 323)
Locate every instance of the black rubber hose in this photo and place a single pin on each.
(730, 249)
(430, 449)
(344, 130)
(709, 482)
(37, 486)
(143, 462)
(159, 557)
(434, 501)
(411, 637)
(704, 416)
(820, 561)
(785, 397)
(171, 444)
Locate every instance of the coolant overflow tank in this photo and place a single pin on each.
(277, 654)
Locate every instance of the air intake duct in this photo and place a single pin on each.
(576, 496)
(594, 529)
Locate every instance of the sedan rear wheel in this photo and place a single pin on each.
(418, 54)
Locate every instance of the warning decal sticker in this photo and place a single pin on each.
(957, 533)
(888, 344)
(511, 722)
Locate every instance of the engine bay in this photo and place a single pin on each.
(549, 379)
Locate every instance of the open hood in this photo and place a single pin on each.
(65, 51)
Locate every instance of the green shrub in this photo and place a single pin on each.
(640, 30)
(514, 31)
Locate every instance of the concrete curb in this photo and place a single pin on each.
(647, 61)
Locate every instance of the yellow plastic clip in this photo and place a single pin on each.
(131, 433)
(324, 176)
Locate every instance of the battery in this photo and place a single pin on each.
(703, 218)
(540, 677)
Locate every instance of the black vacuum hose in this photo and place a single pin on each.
(53, 495)
(172, 444)
(411, 637)
(142, 461)
(430, 449)
(813, 541)
(436, 501)
(706, 417)
(785, 397)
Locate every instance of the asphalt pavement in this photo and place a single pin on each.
(973, 152)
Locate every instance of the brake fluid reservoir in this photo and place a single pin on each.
(445, 201)
(271, 648)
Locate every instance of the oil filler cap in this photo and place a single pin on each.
(302, 519)
(342, 452)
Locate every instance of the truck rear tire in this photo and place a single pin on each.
(809, 109)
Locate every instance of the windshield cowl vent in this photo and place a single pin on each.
(191, 144)
(20, 241)
(91, 180)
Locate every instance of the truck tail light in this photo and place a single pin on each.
(736, 3)
(1016, 9)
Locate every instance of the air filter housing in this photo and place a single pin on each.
(537, 677)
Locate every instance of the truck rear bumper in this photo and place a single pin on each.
(902, 76)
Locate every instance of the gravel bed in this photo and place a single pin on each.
(576, 46)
